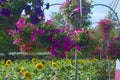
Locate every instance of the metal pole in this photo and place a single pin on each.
(81, 14)
(76, 65)
(111, 10)
(109, 70)
(81, 8)
(76, 55)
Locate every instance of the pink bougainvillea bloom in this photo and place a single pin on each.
(66, 28)
(87, 32)
(10, 32)
(78, 48)
(36, 29)
(50, 38)
(54, 31)
(63, 5)
(48, 22)
(41, 32)
(57, 41)
(17, 41)
(66, 47)
(33, 37)
(66, 39)
(78, 31)
(63, 55)
(77, 9)
(61, 30)
(54, 53)
(20, 23)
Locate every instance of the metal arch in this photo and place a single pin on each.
(55, 4)
(99, 5)
(113, 5)
(93, 24)
(110, 9)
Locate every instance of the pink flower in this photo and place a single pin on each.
(77, 9)
(48, 22)
(33, 37)
(78, 48)
(18, 40)
(41, 32)
(57, 41)
(10, 32)
(63, 5)
(20, 23)
(63, 55)
(54, 53)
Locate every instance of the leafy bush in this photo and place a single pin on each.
(6, 44)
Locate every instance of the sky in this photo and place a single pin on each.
(99, 12)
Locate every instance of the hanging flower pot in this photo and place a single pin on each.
(105, 26)
(71, 10)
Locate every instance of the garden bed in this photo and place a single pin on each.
(63, 69)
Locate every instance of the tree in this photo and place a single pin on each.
(58, 18)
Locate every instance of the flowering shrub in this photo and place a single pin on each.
(114, 48)
(81, 36)
(71, 10)
(11, 9)
(42, 37)
(105, 25)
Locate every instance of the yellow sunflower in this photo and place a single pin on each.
(68, 60)
(39, 66)
(54, 65)
(6, 65)
(8, 62)
(27, 74)
(33, 60)
(22, 70)
(27, 79)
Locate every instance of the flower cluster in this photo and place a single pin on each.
(34, 10)
(114, 48)
(43, 37)
(105, 25)
(71, 10)
(81, 36)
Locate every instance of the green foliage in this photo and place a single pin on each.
(98, 34)
(58, 18)
(91, 69)
(83, 37)
(6, 44)
(15, 7)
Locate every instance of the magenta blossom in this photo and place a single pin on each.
(17, 41)
(78, 48)
(20, 23)
(57, 41)
(66, 47)
(54, 31)
(63, 55)
(63, 5)
(48, 22)
(41, 32)
(11, 32)
(54, 53)
(77, 9)
(33, 37)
